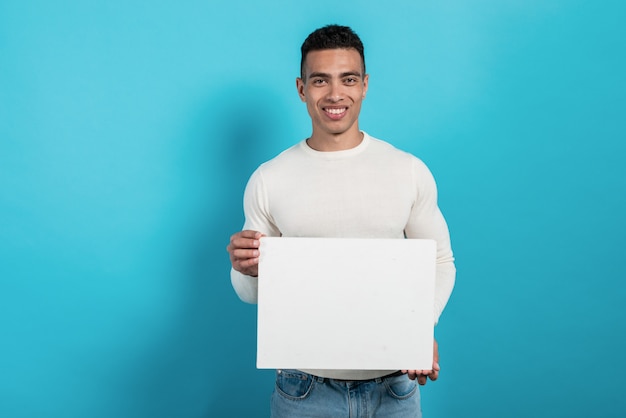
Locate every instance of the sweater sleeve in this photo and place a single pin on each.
(427, 222)
(257, 218)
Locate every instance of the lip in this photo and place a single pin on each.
(336, 112)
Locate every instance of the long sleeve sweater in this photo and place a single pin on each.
(371, 191)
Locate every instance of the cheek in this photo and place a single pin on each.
(311, 101)
(311, 109)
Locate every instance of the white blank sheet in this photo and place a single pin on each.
(343, 303)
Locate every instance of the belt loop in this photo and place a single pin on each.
(319, 379)
(378, 380)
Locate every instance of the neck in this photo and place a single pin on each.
(326, 142)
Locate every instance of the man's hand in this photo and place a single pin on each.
(432, 374)
(244, 252)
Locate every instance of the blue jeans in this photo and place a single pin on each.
(301, 395)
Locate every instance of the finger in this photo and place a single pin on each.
(245, 243)
(245, 239)
(434, 373)
(412, 374)
(248, 233)
(421, 379)
(245, 253)
(247, 262)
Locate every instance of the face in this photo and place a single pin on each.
(333, 88)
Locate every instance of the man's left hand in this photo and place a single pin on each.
(423, 375)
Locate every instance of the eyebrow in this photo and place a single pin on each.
(342, 75)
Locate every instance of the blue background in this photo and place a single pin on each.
(128, 130)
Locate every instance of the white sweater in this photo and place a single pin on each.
(371, 191)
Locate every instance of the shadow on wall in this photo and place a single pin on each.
(205, 364)
(246, 130)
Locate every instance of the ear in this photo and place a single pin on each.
(300, 87)
(366, 80)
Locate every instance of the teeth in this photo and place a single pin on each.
(336, 111)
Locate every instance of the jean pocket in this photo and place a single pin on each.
(293, 384)
(401, 387)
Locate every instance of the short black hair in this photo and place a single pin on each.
(331, 37)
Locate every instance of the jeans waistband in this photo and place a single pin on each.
(378, 379)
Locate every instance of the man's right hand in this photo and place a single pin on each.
(244, 252)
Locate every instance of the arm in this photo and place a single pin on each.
(426, 221)
(243, 248)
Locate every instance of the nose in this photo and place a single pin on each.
(334, 92)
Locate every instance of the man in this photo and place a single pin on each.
(341, 182)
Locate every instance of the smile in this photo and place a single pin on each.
(335, 111)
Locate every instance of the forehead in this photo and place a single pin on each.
(332, 61)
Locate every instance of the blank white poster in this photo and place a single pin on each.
(343, 303)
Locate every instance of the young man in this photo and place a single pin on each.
(341, 182)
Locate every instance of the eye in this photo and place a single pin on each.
(351, 80)
(318, 81)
